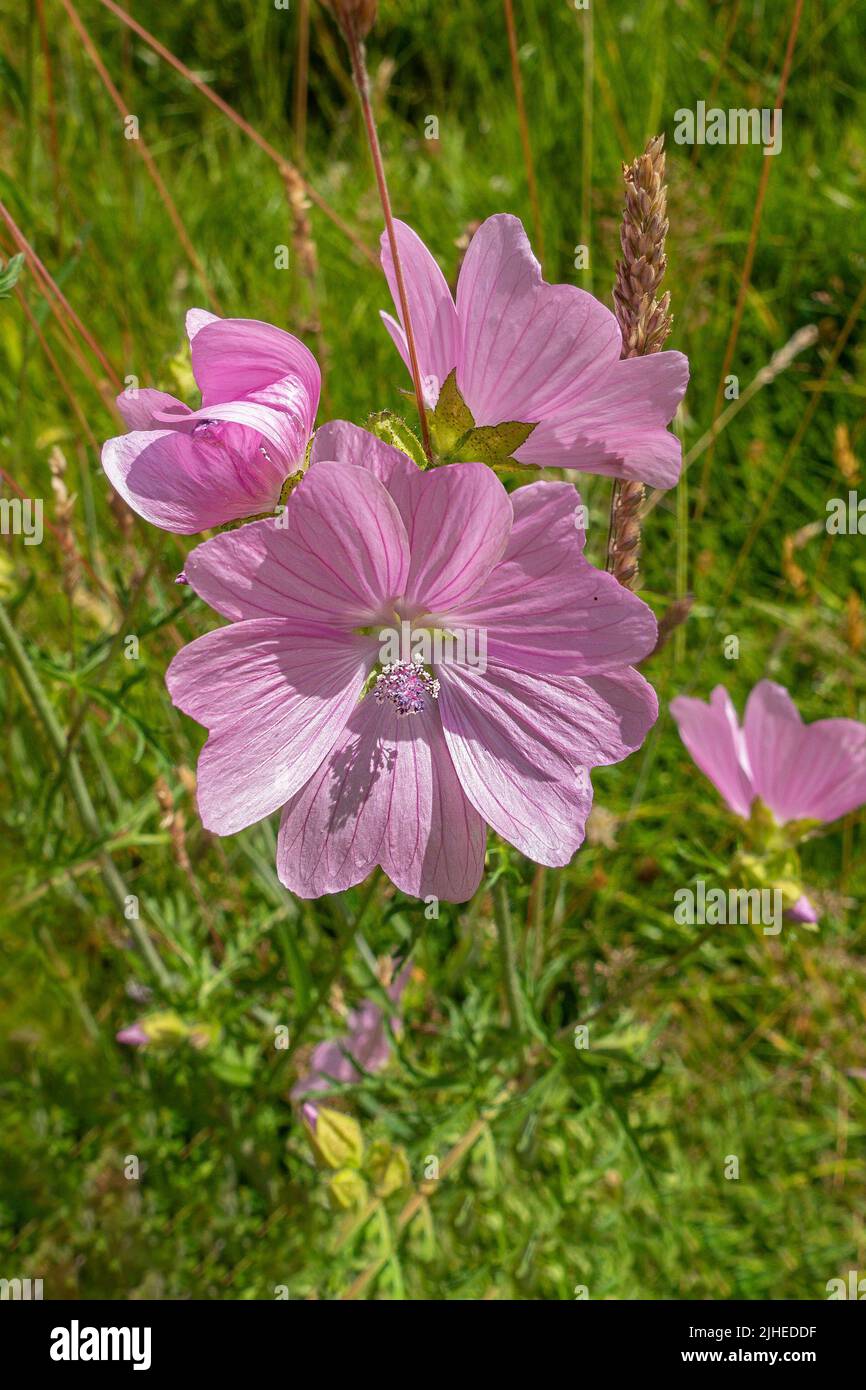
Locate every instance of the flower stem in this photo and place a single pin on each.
(508, 956)
(361, 79)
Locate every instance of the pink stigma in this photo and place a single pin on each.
(407, 685)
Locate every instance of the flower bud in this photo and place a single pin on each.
(353, 16)
(338, 1140)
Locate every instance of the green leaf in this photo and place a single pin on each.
(9, 276)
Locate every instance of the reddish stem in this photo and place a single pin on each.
(362, 84)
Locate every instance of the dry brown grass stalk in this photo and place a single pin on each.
(644, 320)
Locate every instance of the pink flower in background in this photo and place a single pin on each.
(187, 470)
(300, 718)
(133, 1035)
(333, 1062)
(801, 772)
(543, 354)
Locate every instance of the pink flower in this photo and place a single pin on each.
(285, 694)
(187, 470)
(366, 1044)
(547, 355)
(800, 771)
(133, 1035)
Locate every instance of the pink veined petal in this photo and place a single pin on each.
(388, 795)
(544, 608)
(243, 357)
(338, 439)
(524, 342)
(803, 771)
(712, 735)
(434, 317)
(186, 483)
(278, 412)
(458, 519)
(198, 318)
(141, 407)
(275, 696)
(522, 747)
(616, 425)
(338, 555)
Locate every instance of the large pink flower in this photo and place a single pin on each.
(371, 541)
(548, 355)
(187, 470)
(800, 771)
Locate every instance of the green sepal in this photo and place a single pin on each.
(338, 1140)
(388, 1168)
(494, 445)
(347, 1189)
(452, 418)
(393, 430)
(457, 439)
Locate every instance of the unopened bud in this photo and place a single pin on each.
(355, 17)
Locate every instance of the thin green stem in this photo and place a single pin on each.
(508, 956)
(351, 928)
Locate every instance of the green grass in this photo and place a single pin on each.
(601, 1167)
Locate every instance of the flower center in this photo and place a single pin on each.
(408, 685)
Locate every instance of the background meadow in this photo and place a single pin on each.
(559, 1167)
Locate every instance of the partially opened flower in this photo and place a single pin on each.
(801, 773)
(186, 470)
(405, 763)
(548, 356)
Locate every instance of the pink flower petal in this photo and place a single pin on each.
(544, 608)
(458, 519)
(187, 483)
(275, 696)
(524, 342)
(803, 772)
(348, 443)
(388, 795)
(198, 318)
(522, 747)
(712, 735)
(277, 413)
(434, 318)
(244, 357)
(341, 558)
(616, 425)
(802, 911)
(141, 406)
